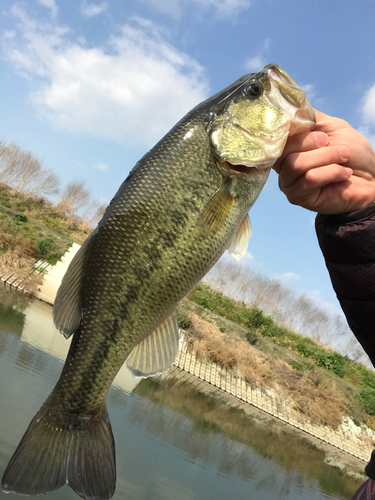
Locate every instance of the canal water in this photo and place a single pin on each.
(172, 442)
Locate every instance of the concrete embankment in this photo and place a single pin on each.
(54, 275)
(348, 437)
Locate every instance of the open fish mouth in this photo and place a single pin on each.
(285, 90)
(248, 170)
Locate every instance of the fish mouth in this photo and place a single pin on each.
(288, 94)
(245, 170)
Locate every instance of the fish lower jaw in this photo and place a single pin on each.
(251, 170)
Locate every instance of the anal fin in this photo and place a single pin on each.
(67, 306)
(157, 352)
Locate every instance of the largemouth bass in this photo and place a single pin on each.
(183, 204)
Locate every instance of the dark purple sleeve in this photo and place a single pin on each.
(348, 245)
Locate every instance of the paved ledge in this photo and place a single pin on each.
(52, 279)
(357, 441)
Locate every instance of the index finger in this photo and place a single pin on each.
(299, 143)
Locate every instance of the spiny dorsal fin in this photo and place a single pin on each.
(240, 242)
(157, 352)
(67, 307)
(216, 211)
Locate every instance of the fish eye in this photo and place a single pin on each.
(255, 89)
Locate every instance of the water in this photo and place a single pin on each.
(172, 442)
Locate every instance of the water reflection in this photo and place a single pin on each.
(172, 441)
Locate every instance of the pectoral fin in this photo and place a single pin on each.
(157, 352)
(67, 306)
(240, 242)
(216, 211)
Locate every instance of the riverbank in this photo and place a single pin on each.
(242, 421)
(347, 437)
(34, 236)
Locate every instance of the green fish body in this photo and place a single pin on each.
(183, 204)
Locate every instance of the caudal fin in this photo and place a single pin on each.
(56, 450)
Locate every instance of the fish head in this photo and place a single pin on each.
(251, 124)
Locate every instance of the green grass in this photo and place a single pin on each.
(360, 398)
(17, 232)
(41, 211)
(257, 323)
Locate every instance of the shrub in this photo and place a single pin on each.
(369, 379)
(303, 349)
(251, 337)
(20, 217)
(367, 400)
(46, 246)
(183, 320)
(330, 361)
(299, 366)
(255, 319)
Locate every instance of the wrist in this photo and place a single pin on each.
(357, 215)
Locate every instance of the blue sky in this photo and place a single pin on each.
(90, 87)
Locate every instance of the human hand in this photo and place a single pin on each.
(330, 170)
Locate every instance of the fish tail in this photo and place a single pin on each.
(58, 449)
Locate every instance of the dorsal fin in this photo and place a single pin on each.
(157, 352)
(67, 306)
(240, 242)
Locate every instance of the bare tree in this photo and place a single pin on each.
(23, 171)
(94, 213)
(300, 313)
(75, 196)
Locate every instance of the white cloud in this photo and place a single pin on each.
(368, 106)
(370, 136)
(258, 62)
(227, 8)
(246, 261)
(132, 91)
(330, 307)
(309, 90)
(287, 277)
(223, 9)
(255, 63)
(50, 4)
(247, 258)
(266, 44)
(102, 166)
(92, 9)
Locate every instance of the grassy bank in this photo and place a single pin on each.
(31, 229)
(323, 384)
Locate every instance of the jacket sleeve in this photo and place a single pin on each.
(348, 245)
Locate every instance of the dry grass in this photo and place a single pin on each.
(314, 395)
(18, 259)
(210, 344)
(13, 263)
(17, 245)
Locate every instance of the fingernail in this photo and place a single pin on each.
(345, 153)
(321, 138)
